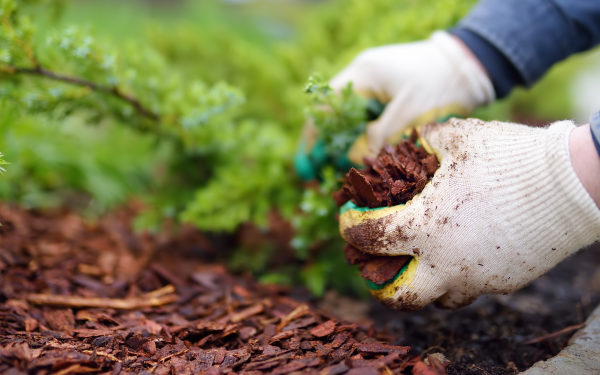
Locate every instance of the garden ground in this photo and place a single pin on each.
(82, 297)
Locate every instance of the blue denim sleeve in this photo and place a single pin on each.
(595, 127)
(519, 40)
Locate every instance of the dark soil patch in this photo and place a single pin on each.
(490, 336)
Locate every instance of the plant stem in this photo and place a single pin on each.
(113, 90)
(38, 70)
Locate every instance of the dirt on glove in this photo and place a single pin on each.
(394, 177)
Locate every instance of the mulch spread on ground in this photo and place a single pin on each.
(95, 298)
(206, 320)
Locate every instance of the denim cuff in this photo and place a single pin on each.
(532, 34)
(502, 72)
(595, 126)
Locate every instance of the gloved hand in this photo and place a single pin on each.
(504, 208)
(420, 82)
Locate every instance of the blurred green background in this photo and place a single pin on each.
(234, 171)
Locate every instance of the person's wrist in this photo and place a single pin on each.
(585, 160)
(470, 54)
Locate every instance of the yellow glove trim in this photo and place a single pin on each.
(359, 149)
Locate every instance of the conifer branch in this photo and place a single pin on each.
(113, 90)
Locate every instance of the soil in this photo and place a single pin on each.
(79, 297)
(394, 177)
(492, 335)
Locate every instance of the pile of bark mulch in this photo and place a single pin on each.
(95, 298)
(397, 174)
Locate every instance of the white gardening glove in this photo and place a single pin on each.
(504, 208)
(420, 82)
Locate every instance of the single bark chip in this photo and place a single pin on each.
(376, 269)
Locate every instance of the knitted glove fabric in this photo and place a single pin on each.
(504, 208)
(420, 82)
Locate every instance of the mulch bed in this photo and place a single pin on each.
(78, 297)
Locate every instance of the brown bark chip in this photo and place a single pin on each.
(362, 189)
(382, 269)
(339, 339)
(374, 268)
(176, 314)
(60, 320)
(374, 347)
(323, 329)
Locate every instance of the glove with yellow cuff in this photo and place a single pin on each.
(504, 208)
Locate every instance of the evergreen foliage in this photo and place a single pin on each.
(339, 117)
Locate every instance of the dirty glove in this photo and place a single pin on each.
(420, 82)
(504, 208)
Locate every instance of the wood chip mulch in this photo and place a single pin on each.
(95, 298)
(395, 176)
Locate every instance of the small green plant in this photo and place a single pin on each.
(338, 117)
(217, 164)
(70, 72)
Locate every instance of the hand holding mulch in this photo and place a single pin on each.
(394, 177)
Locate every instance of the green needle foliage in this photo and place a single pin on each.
(339, 117)
(69, 71)
(69, 74)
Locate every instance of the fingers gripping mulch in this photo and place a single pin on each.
(83, 298)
